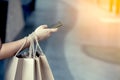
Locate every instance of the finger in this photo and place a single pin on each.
(43, 26)
(54, 30)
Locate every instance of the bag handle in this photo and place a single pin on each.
(38, 45)
(21, 46)
(32, 48)
(34, 41)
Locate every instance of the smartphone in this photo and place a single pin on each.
(57, 25)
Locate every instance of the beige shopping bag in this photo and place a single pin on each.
(32, 67)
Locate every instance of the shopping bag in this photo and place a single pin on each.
(32, 67)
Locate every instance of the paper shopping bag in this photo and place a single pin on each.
(33, 67)
(42, 69)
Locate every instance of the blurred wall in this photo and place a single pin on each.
(15, 21)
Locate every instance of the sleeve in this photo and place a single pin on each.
(0, 43)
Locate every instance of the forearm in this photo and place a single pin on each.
(9, 49)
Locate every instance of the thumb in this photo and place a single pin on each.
(43, 26)
(40, 27)
(54, 30)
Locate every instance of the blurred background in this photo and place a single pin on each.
(86, 48)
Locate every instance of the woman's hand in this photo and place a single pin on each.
(43, 32)
(10, 49)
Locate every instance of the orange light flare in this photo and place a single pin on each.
(99, 26)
